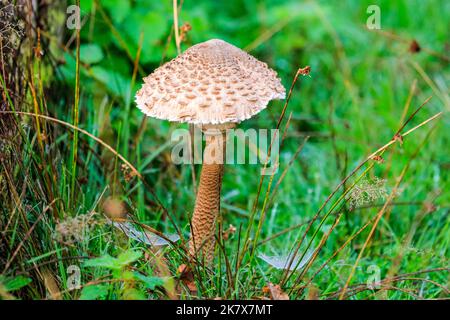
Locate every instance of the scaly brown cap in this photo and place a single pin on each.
(212, 82)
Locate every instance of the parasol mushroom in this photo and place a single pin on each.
(213, 85)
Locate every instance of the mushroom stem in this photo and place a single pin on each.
(207, 204)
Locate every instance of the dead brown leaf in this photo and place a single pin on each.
(276, 293)
(187, 277)
(313, 293)
(414, 47)
(51, 285)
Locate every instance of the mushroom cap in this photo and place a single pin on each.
(212, 82)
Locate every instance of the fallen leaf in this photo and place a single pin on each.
(187, 277)
(51, 285)
(276, 293)
(312, 293)
(145, 236)
(414, 47)
(282, 262)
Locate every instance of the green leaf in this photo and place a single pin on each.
(119, 9)
(128, 256)
(94, 292)
(86, 6)
(91, 53)
(128, 276)
(16, 283)
(153, 26)
(150, 282)
(105, 261)
(133, 294)
(67, 69)
(115, 82)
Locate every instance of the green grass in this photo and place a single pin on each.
(363, 87)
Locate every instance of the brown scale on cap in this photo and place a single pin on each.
(214, 69)
(216, 85)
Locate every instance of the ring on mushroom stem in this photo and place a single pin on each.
(217, 86)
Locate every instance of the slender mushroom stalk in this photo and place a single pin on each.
(216, 85)
(207, 203)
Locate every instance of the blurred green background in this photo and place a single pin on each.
(360, 78)
(363, 85)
